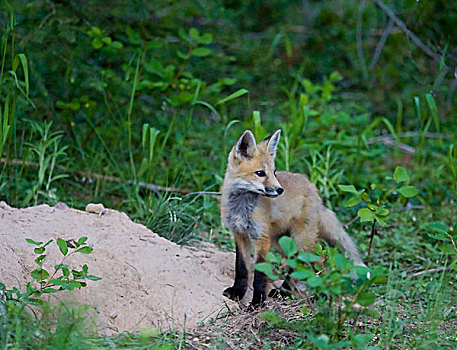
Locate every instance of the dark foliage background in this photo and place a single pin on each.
(118, 101)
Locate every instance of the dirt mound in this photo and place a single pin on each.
(147, 280)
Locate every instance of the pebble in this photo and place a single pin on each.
(95, 208)
(62, 206)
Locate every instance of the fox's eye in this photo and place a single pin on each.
(261, 173)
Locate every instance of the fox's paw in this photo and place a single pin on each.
(255, 305)
(234, 293)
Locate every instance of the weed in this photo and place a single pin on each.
(338, 285)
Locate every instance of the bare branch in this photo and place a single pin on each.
(441, 268)
(410, 34)
(389, 141)
(381, 43)
(360, 53)
(86, 176)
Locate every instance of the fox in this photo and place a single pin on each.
(260, 205)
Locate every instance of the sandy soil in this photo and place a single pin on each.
(147, 280)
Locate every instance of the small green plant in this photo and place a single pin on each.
(337, 284)
(48, 151)
(174, 217)
(13, 87)
(447, 238)
(376, 211)
(62, 278)
(323, 173)
(148, 145)
(53, 326)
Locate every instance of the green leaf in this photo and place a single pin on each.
(93, 278)
(40, 259)
(97, 43)
(308, 257)
(288, 246)
(348, 188)
(60, 267)
(66, 271)
(380, 220)
(193, 32)
(302, 274)
(39, 274)
(201, 52)
(446, 248)
(153, 44)
(365, 197)
(107, 40)
(182, 55)
(366, 299)
(433, 110)
(95, 31)
(439, 236)
(353, 201)
(82, 240)
(314, 282)
(49, 290)
(365, 214)
(341, 261)
(381, 211)
(228, 81)
(84, 250)
(292, 263)
(31, 241)
(206, 39)
(379, 279)
(117, 45)
(57, 282)
(39, 250)
(438, 226)
(400, 174)
(408, 191)
(233, 96)
(335, 76)
(62, 246)
(25, 68)
(372, 206)
(267, 269)
(453, 266)
(274, 258)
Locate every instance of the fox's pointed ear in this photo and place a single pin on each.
(246, 145)
(273, 141)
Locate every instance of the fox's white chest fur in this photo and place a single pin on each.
(240, 206)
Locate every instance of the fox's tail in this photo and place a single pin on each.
(333, 232)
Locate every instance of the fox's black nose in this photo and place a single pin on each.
(280, 190)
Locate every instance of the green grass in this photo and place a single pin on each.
(158, 92)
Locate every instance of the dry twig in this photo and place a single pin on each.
(86, 176)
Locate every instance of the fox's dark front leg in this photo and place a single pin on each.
(261, 247)
(243, 254)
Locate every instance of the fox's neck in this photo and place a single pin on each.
(240, 206)
(242, 202)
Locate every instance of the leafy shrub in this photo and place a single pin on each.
(335, 282)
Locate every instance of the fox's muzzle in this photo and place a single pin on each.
(273, 192)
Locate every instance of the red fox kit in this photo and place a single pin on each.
(261, 205)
